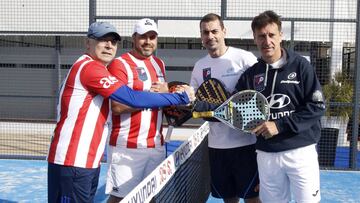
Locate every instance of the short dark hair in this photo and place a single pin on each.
(212, 17)
(265, 18)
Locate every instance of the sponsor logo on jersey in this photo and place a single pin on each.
(108, 81)
(279, 101)
(231, 72)
(259, 82)
(291, 79)
(290, 82)
(141, 73)
(291, 76)
(206, 73)
(317, 96)
(278, 115)
(316, 193)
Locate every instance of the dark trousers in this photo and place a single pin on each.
(68, 184)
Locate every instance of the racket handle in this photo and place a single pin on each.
(204, 114)
(168, 133)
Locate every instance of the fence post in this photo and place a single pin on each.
(223, 10)
(92, 11)
(58, 71)
(355, 123)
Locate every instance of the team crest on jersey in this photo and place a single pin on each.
(141, 73)
(259, 82)
(206, 73)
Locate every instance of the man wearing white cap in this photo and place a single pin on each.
(136, 141)
(81, 130)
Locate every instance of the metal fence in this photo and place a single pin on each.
(39, 41)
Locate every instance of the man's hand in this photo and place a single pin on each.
(267, 129)
(189, 91)
(161, 87)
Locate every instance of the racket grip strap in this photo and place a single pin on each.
(205, 114)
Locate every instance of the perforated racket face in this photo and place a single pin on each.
(244, 110)
(250, 109)
(176, 115)
(212, 91)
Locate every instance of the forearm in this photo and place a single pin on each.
(118, 108)
(140, 99)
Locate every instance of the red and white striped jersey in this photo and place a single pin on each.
(141, 129)
(83, 111)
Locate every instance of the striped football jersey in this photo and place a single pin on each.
(140, 129)
(83, 111)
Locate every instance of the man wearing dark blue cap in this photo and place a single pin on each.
(81, 131)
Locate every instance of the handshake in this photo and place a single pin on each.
(174, 87)
(205, 99)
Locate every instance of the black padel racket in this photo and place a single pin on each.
(212, 91)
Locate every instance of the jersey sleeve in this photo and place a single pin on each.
(140, 99)
(117, 69)
(96, 78)
(248, 60)
(252, 59)
(195, 77)
(312, 108)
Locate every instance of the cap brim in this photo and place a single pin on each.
(117, 36)
(145, 31)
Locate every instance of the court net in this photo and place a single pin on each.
(183, 176)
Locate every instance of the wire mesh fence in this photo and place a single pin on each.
(39, 41)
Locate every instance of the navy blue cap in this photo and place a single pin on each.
(100, 29)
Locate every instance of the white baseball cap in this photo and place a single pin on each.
(145, 25)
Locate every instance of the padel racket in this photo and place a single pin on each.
(175, 115)
(212, 91)
(243, 111)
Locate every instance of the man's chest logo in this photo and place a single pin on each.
(259, 82)
(206, 73)
(141, 73)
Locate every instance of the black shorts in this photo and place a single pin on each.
(72, 184)
(233, 172)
